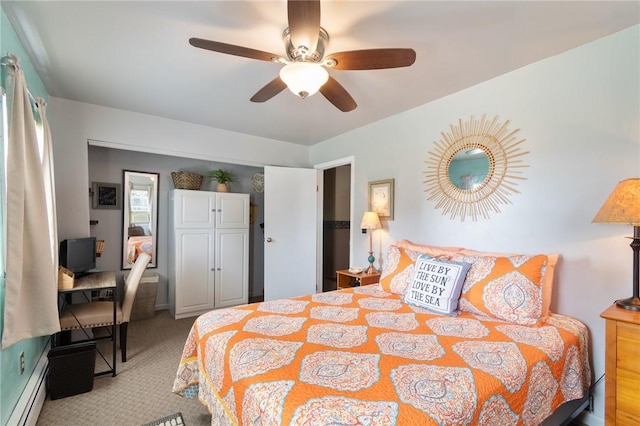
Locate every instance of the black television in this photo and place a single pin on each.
(78, 254)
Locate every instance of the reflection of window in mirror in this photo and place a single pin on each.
(140, 207)
(139, 199)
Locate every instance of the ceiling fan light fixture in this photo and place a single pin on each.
(304, 78)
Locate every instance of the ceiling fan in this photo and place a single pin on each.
(305, 70)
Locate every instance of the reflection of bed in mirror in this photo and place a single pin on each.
(139, 244)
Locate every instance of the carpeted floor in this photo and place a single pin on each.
(141, 391)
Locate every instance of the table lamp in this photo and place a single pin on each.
(623, 206)
(370, 221)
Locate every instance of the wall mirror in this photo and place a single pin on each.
(140, 217)
(474, 168)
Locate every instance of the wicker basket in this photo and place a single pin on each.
(66, 278)
(144, 305)
(99, 247)
(186, 180)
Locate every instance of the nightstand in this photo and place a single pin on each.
(348, 279)
(622, 369)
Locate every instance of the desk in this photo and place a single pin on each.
(94, 282)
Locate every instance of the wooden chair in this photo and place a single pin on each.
(100, 314)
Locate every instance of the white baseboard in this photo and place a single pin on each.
(28, 408)
(162, 307)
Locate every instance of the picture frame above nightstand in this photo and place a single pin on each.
(381, 198)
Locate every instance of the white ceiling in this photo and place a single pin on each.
(135, 55)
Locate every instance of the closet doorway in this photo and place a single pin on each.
(336, 222)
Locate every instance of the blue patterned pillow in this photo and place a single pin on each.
(436, 284)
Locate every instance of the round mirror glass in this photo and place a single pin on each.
(469, 168)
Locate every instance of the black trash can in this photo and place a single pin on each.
(71, 369)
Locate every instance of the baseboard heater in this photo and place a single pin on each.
(30, 403)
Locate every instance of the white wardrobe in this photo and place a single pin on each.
(208, 251)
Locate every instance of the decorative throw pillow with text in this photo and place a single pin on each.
(436, 284)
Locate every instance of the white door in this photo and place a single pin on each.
(290, 232)
(232, 210)
(232, 267)
(194, 209)
(194, 282)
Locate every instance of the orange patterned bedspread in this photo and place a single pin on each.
(363, 356)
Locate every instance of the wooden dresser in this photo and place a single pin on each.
(622, 367)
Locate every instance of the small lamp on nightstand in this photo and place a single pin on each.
(370, 221)
(623, 206)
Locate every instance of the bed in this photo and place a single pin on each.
(368, 355)
(139, 244)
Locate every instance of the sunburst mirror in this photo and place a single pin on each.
(474, 168)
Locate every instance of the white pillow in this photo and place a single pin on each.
(436, 284)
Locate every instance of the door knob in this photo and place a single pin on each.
(269, 239)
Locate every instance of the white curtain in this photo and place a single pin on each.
(49, 180)
(31, 307)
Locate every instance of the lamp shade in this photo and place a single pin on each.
(623, 205)
(304, 78)
(370, 220)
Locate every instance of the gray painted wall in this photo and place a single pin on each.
(107, 165)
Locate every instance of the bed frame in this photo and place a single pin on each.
(568, 412)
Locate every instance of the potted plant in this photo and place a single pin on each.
(223, 177)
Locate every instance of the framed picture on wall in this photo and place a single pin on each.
(106, 195)
(381, 198)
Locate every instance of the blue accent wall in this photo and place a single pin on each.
(12, 383)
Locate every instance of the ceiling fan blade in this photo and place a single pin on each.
(231, 49)
(338, 95)
(304, 23)
(373, 59)
(271, 89)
